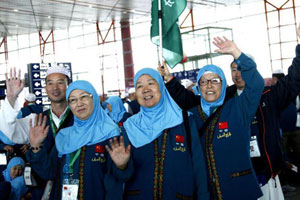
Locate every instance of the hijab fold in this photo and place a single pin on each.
(206, 106)
(148, 124)
(97, 128)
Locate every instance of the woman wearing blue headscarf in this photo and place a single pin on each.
(79, 163)
(224, 124)
(168, 159)
(13, 175)
(116, 110)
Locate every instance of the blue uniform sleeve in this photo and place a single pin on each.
(45, 165)
(184, 98)
(254, 85)
(287, 88)
(199, 165)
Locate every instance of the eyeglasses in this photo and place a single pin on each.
(82, 98)
(213, 81)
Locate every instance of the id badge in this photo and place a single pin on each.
(254, 150)
(70, 189)
(298, 120)
(3, 159)
(29, 180)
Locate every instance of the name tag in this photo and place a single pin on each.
(70, 189)
(254, 150)
(29, 180)
(3, 159)
(298, 120)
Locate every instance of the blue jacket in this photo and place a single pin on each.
(101, 178)
(227, 149)
(273, 101)
(184, 173)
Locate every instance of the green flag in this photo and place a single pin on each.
(172, 45)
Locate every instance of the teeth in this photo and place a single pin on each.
(210, 93)
(148, 97)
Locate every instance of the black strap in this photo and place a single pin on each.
(187, 130)
(208, 120)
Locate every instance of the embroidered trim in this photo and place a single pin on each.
(183, 197)
(81, 173)
(210, 157)
(241, 173)
(132, 192)
(159, 167)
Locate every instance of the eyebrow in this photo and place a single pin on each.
(151, 79)
(55, 80)
(79, 94)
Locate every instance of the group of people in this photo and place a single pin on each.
(221, 144)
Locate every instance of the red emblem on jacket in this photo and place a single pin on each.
(179, 138)
(100, 149)
(223, 125)
(120, 123)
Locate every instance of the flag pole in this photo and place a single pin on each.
(160, 33)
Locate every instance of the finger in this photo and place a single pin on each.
(108, 149)
(10, 73)
(128, 148)
(19, 75)
(122, 141)
(44, 121)
(225, 38)
(35, 120)
(111, 143)
(116, 142)
(15, 74)
(40, 119)
(46, 130)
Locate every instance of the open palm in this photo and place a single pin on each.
(38, 132)
(118, 153)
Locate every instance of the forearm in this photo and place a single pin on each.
(254, 85)
(17, 130)
(184, 98)
(44, 164)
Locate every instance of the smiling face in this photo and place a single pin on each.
(56, 86)
(212, 90)
(81, 104)
(236, 76)
(16, 171)
(147, 91)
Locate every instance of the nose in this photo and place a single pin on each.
(145, 89)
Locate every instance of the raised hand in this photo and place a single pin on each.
(118, 153)
(165, 72)
(14, 85)
(24, 149)
(9, 149)
(226, 47)
(38, 132)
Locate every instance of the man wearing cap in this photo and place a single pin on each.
(29, 106)
(131, 103)
(58, 116)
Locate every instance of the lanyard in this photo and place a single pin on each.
(52, 124)
(72, 160)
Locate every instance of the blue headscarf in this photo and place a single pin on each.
(97, 128)
(18, 187)
(13, 162)
(149, 123)
(195, 90)
(118, 109)
(207, 105)
(5, 140)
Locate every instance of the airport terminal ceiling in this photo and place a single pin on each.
(19, 17)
